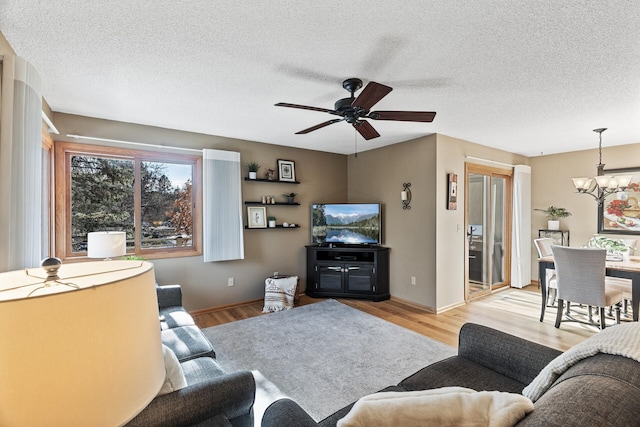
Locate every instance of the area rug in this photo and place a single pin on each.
(324, 355)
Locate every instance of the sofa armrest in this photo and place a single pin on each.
(230, 395)
(286, 412)
(506, 354)
(169, 295)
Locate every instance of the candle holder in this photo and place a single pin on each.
(405, 196)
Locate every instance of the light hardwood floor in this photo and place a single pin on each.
(513, 311)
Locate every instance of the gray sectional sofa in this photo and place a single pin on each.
(599, 390)
(212, 397)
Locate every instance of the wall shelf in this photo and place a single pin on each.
(271, 228)
(246, 178)
(271, 204)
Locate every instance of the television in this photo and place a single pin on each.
(346, 223)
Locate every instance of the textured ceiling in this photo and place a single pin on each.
(527, 77)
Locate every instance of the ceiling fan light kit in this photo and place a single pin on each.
(354, 110)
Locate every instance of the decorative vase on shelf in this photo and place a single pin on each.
(272, 223)
(253, 175)
(553, 225)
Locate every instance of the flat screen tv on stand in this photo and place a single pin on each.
(344, 224)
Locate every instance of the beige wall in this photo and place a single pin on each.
(5, 47)
(450, 234)
(428, 241)
(323, 177)
(377, 176)
(551, 185)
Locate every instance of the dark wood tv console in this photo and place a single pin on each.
(348, 272)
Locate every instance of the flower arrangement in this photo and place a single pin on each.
(613, 246)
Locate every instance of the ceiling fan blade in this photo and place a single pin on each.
(403, 116)
(366, 130)
(370, 95)
(305, 107)
(321, 125)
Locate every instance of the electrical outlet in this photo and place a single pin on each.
(230, 281)
(413, 280)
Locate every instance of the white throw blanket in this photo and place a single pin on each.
(620, 340)
(448, 406)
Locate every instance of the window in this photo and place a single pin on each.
(154, 197)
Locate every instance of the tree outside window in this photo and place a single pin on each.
(108, 189)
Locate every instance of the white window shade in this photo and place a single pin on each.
(521, 231)
(223, 238)
(21, 163)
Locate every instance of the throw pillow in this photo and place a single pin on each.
(448, 406)
(279, 293)
(174, 377)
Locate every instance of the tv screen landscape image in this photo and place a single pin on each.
(346, 223)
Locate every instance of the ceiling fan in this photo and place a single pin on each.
(353, 110)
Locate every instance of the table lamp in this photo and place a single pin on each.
(106, 244)
(79, 343)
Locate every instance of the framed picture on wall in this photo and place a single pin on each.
(452, 193)
(620, 212)
(256, 217)
(287, 170)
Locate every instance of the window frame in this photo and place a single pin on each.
(63, 151)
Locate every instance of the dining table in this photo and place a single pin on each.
(627, 268)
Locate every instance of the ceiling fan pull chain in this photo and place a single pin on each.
(355, 141)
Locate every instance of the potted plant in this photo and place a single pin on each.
(554, 214)
(253, 169)
(290, 196)
(272, 221)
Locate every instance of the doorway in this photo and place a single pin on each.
(488, 229)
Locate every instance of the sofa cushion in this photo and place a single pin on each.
(174, 378)
(461, 372)
(174, 317)
(187, 342)
(596, 391)
(201, 369)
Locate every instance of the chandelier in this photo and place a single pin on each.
(601, 185)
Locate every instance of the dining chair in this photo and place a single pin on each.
(543, 246)
(581, 278)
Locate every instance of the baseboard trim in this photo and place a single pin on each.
(450, 307)
(238, 304)
(224, 307)
(413, 304)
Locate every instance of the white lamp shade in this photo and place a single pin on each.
(79, 357)
(582, 183)
(106, 244)
(624, 180)
(603, 180)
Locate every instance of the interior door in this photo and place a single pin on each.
(488, 227)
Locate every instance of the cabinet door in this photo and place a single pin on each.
(329, 277)
(360, 278)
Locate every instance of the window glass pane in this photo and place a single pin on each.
(165, 208)
(102, 198)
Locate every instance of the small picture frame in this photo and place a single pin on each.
(256, 217)
(286, 170)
